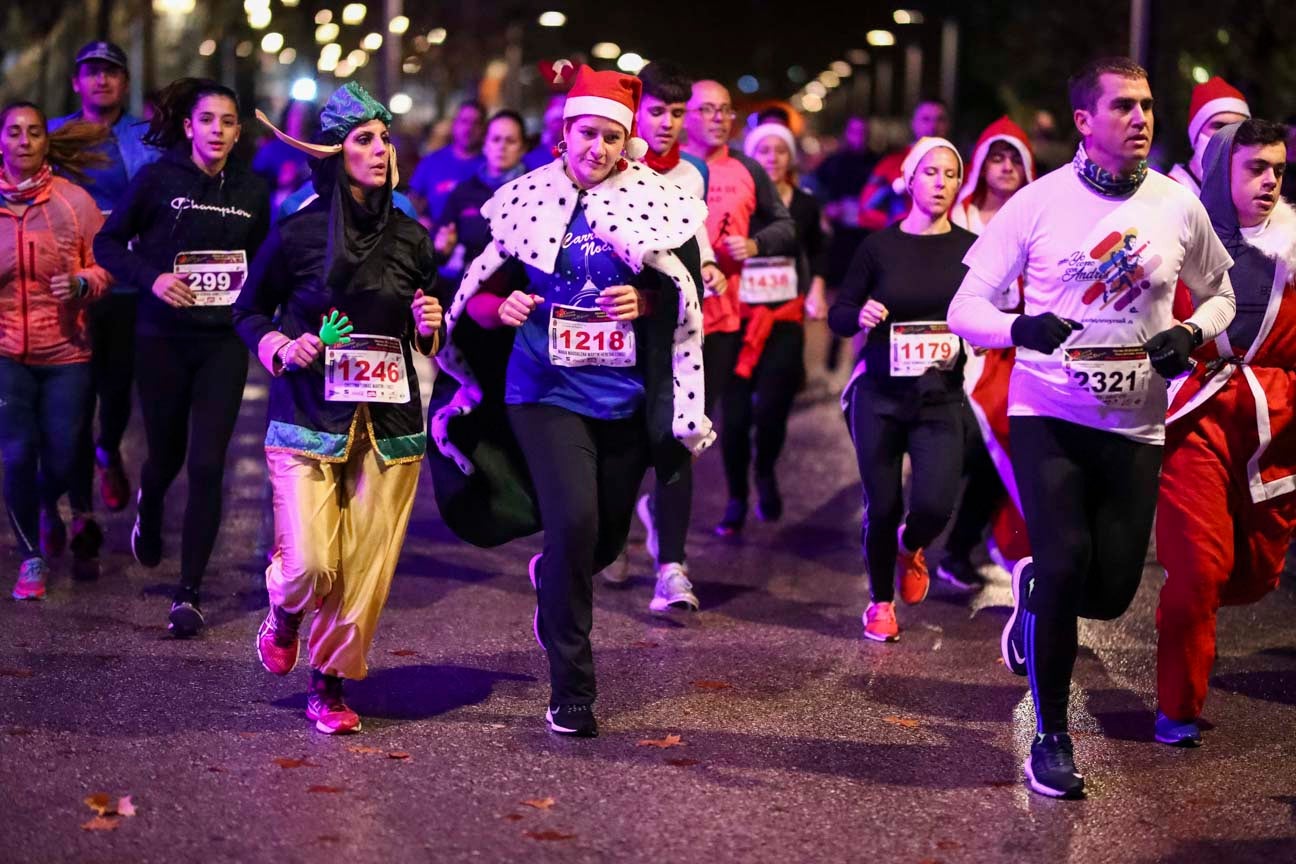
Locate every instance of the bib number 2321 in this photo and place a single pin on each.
(1116, 377)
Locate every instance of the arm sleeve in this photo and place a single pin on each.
(267, 287)
(111, 248)
(778, 237)
(994, 261)
(974, 315)
(1205, 272)
(843, 315)
(428, 285)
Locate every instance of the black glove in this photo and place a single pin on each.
(1169, 351)
(1042, 333)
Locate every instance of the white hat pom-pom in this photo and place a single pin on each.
(899, 186)
(637, 149)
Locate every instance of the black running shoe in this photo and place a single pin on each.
(769, 503)
(146, 539)
(1012, 644)
(1051, 769)
(186, 619)
(575, 720)
(959, 573)
(87, 538)
(735, 516)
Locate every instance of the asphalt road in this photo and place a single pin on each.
(797, 740)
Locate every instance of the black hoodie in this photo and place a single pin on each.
(173, 206)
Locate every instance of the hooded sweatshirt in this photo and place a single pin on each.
(1253, 268)
(173, 206)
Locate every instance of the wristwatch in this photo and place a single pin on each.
(1195, 331)
(80, 286)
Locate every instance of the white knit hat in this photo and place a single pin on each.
(764, 131)
(921, 148)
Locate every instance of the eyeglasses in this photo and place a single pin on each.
(708, 111)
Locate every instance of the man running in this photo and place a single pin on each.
(1101, 243)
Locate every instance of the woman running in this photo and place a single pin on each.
(48, 278)
(776, 295)
(906, 395)
(604, 376)
(348, 275)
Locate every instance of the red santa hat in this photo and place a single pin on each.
(612, 95)
(1214, 97)
(1010, 133)
(914, 158)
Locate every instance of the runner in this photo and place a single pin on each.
(345, 433)
(776, 296)
(1101, 243)
(1226, 512)
(1002, 164)
(605, 372)
(1214, 105)
(745, 219)
(883, 201)
(47, 282)
(437, 173)
(184, 232)
(906, 395)
(102, 83)
(665, 513)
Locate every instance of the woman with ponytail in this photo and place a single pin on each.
(48, 277)
(199, 217)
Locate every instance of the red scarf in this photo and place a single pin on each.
(26, 191)
(666, 161)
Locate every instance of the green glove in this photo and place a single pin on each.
(334, 328)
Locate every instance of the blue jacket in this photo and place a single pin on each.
(132, 152)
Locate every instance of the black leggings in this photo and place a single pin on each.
(883, 430)
(763, 401)
(112, 364)
(190, 390)
(982, 495)
(586, 474)
(1088, 497)
(673, 503)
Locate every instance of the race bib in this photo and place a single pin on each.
(917, 346)
(214, 277)
(1116, 377)
(366, 369)
(588, 337)
(768, 280)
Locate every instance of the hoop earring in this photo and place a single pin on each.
(560, 149)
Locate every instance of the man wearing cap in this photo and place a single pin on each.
(101, 80)
(1214, 105)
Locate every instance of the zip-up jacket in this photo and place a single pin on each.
(173, 206)
(52, 237)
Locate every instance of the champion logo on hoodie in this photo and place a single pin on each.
(182, 203)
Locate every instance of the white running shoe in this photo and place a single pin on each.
(645, 512)
(674, 590)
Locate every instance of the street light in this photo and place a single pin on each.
(552, 19)
(436, 36)
(398, 25)
(841, 68)
(606, 50)
(401, 103)
(272, 42)
(304, 90)
(287, 56)
(326, 33)
(631, 63)
(880, 38)
(354, 13)
(259, 19)
(371, 42)
(907, 16)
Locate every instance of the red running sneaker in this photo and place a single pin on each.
(324, 705)
(911, 574)
(277, 640)
(880, 623)
(114, 487)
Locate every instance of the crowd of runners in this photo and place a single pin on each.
(1044, 360)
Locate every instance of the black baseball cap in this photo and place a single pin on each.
(102, 51)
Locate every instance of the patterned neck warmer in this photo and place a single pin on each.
(25, 192)
(1103, 181)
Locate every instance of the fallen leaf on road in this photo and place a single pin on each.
(668, 741)
(101, 823)
(125, 807)
(514, 817)
(361, 748)
(16, 673)
(548, 835)
(712, 685)
(398, 754)
(643, 644)
(328, 839)
(325, 790)
(247, 734)
(907, 722)
(100, 802)
(682, 763)
(999, 660)
(540, 803)
(216, 769)
(285, 762)
(403, 652)
(18, 730)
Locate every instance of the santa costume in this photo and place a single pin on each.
(1216, 96)
(1226, 514)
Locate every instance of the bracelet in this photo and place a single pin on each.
(283, 349)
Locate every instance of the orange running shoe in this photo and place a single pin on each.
(880, 623)
(911, 573)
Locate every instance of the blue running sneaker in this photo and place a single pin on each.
(1012, 645)
(1177, 733)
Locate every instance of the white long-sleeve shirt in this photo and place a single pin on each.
(689, 178)
(1112, 265)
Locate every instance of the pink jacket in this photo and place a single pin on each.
(53, 236)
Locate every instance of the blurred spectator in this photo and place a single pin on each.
(283, 167)
(1289, 179)
(841, 178)
(881, 204)
(441, 170)
(550, 134)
